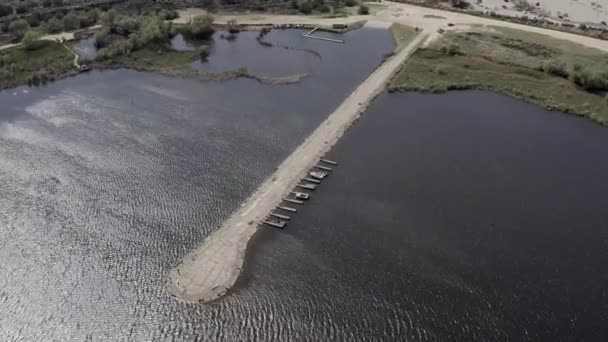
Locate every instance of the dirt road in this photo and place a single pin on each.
(61, 36)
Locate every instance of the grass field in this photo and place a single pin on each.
(21, 66)
(510, 62)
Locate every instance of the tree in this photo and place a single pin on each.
(350, 3)
(233, 26)
(71, 21)
(363, 10)
(306, 7)
(201, 28)
(30, 40)
(109, 17)
(5, 10)
(22, 7)
(203, 52)
(54, 25)
(18, 28)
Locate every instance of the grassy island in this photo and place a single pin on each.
(557, 74)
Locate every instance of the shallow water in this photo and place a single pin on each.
(86, 48)
(179, 43)
(108, 179)
(292, 54)
(457, 217)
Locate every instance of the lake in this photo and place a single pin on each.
(108, 179)
(455, 217)
(461, 216)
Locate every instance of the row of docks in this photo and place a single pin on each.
(293, 26)
(281, 215)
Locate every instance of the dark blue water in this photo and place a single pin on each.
(467, 216)
(108, 179)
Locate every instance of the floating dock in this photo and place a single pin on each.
(323, 38)
(276, 224)
(323, 167)
(301, 195)
(282, 217)
(293, 210)
(311, 31)
(331, 162)
(307, 186)
(291, 200)
(312, 180)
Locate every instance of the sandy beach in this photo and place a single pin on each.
(578, 11)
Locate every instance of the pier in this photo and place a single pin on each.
(209, 271)
(326, 39)
(276, 224)
(291, 200)
(307, 186)
(282, 217)
(316, 181)
(323, 167)
(327, 161)
(307, 35)
(293, 210)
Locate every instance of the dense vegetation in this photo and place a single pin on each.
(121, 35)
(551, 72)
(34, 63)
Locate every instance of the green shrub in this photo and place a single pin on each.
(201, 27)
(363, 10)
(306, 7)
(203, 52)
(54, 25)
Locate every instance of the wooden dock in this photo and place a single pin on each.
(323, 167)
(282, 217)
(310, 32)
(326, 39)
(293, 210)
(291, 200)
(312, 180)
(331, 162)
(276, 224)
(307, 186)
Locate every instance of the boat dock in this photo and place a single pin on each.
(308, 35)
(291, 200)
(298, 197)
(276, 224)
(311, 31)
(323, 167)
(307, 186)
(282, 217)
(327, 161)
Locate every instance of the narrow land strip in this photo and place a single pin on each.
(211, 270)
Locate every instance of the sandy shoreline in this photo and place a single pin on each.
(212, 269)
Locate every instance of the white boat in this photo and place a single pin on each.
(301, 195)
(318, 174)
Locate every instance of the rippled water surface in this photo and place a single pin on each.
(467, 216)
(108, 179)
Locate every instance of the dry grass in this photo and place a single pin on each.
(506, 61)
